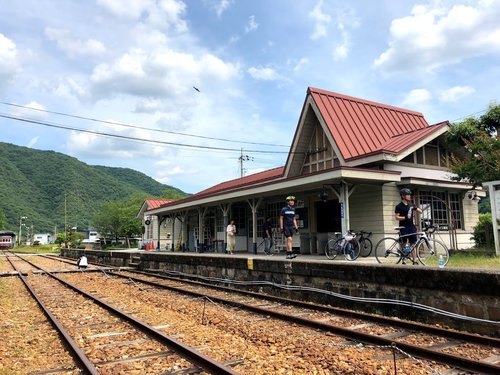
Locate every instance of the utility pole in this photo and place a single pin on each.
(243, 158)
(65, 223)
(20, 228)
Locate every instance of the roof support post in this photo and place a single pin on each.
(161, 219)
(201, 229)
(182, 216)
(254, 205)
(343, 192)
(226, 208)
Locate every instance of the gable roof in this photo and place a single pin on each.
(151, 204)
(361, 127)
(155, 203)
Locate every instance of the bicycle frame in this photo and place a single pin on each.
(427, 250)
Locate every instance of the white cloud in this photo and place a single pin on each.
(162, 73)
(434, 36)
(74, 47)
(157, 13)
(455, 93)
(321, 21)
(337, 22)
(9, 63)
(263, 74)
(251, 25)
(341, 50)
(32, 110)
(126, 8)
(219, 6)
(33, 141)
(301, 64)
(416, 97)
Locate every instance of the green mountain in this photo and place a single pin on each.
(52, 189)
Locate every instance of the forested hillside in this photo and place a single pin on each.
(51, 188)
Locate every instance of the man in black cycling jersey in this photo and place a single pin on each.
(288, 224)
(405, 214)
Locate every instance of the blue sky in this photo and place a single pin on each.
(135, 62)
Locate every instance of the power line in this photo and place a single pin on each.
(138, 127)
(135, 139)
(472, 114)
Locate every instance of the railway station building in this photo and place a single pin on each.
(348, 160)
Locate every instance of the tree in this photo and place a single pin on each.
(117, 219)
(3, 219)
(475, 148)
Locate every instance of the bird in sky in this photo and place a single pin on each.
(196, 88)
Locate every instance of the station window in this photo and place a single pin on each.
(442, 208)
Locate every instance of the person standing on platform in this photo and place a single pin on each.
(288, 224)
(231, 237)
(268, 236)
(405, 214)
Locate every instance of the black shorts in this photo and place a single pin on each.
(408, 234)
(288, 232)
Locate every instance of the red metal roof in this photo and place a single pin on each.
(361, 127)
(155, 203)
(252, 179)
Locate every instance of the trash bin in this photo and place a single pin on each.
(305, 244)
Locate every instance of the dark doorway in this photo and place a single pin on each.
(328, 217)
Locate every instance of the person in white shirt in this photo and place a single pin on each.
(82, 262)
(231, 237)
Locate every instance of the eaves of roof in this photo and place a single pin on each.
(403, 142)
(273, 185)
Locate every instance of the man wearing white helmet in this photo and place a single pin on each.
(405, 214)
(288, 224)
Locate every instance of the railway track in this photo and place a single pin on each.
(114, 340)
(419, 340)
(391, 345)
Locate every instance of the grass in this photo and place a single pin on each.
(471, 259)
(42, 249)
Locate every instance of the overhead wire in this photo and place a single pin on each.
(140, 127)
(124, 137)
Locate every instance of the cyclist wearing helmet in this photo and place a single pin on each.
(405, 214)
(288, 223)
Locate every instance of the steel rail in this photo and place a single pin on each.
(429, 354)
(451, 334)
(193, 356)
(73, 346)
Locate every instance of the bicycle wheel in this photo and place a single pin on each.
(365, 247)
(333, 247)
(388, 251)
(351, 250)
(428, 252)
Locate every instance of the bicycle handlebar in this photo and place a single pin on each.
(429, 228)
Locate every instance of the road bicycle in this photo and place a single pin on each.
(347, 245)
(365, 244)
(390, 250)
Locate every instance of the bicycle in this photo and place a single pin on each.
(347, 245)
(365, 244)
(389, 250)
